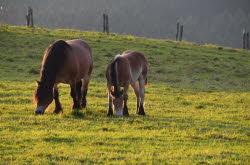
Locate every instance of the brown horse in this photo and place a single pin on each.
(69, 62)
(130, 68)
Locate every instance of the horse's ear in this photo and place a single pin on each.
(112, 93)
(37, 82)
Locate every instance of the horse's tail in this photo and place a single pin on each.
(113, 75)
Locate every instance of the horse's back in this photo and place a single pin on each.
(79, 43)
(132, 65)
(137, 61)
(135, 56)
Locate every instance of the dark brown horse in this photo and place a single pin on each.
(130, 68)
(69, 62)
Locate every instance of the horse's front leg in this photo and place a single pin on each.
(110, 110)
(73, 93)
(125, 99)
(79, 92)
(58, 107)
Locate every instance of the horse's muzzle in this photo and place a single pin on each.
(119, 113)
(39, 110)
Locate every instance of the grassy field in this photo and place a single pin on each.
(197, 105)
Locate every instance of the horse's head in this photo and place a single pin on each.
(117, 100)
(43, 96)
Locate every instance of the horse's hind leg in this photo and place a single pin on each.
(136, 90)
(142, 95)
(58, 107)
(73, 93)
(84, 92)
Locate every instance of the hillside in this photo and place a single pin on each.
(197, 104)
(178, 64)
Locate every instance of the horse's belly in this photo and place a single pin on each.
(63, 79)
(68, 77)
(76, 67)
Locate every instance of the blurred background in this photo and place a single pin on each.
(218, 22)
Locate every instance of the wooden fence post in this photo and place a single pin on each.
(244, 40)
(29, 18)
(181, 32)
(177, 32)
(107, 24)
(247, 40)
(104, 23)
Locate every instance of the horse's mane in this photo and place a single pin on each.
(54, 57)
(113, 76)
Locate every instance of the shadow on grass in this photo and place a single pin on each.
(58, 140)
(76, 113)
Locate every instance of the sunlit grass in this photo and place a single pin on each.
(180, 126)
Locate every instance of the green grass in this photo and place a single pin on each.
(197, 105)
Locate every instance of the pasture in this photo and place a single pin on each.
(197, 104)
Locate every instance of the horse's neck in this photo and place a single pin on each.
(47, 78)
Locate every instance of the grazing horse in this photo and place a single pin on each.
(130, 68)
(69, 62)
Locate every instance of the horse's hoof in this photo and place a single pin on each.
(141, 113)
(126, 115)
(110, 114)
(57, 110)
(84, 104)
(76, 106)
(125, 112)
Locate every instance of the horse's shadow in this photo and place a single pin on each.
(76, 113)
